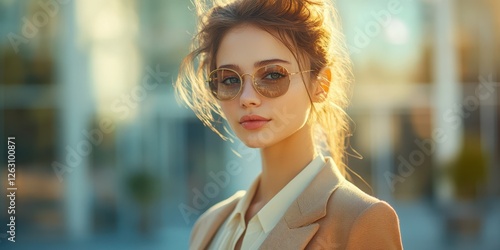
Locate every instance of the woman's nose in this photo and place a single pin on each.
(249, 96)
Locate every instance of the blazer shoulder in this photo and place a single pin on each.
(361, 216)
(350, 198)
(377, 227)
(215, 215)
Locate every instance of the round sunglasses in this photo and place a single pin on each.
(269, 81)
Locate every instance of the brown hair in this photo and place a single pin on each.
(311, 31)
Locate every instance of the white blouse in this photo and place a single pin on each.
(264, 221)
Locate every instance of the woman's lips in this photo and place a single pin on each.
(252, 125)
(252, 122)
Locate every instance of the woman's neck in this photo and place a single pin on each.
(283, 161)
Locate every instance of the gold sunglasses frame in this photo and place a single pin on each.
(254, 83)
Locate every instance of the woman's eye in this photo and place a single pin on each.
(231, 80)
(274, 76)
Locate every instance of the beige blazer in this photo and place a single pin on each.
(331, 213)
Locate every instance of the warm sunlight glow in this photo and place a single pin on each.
(397, 32)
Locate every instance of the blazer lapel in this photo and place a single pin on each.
(283, 237)
(214, 222)
(297, 227)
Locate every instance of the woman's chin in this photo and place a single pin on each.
(253, 144)
(253, 141)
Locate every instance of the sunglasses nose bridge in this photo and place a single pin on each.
(251, 77)
(248, 86)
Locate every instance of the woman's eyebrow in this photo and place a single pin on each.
(270, 61)
(256, 64)
(230, 66)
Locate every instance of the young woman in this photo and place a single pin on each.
(277, 71)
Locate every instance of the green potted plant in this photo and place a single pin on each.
(468, 171)
(468, 175)
(143, 187)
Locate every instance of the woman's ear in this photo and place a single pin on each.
(322, 85)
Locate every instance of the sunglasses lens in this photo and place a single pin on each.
(272, 81)
(225, 84)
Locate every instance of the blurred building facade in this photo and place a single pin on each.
(106, 156)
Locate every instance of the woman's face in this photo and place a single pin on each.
(259, 121)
